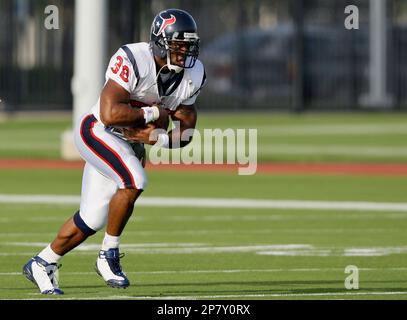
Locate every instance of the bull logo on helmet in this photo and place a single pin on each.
(160, 27)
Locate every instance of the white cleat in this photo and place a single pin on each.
(108, 267)
(43, 274)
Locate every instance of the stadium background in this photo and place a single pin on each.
(289, 69)
(328, 71)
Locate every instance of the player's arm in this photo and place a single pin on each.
(184, 118)
(115, 109)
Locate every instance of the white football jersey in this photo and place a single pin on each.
(133, 67)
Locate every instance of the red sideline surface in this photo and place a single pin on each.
(395, 169)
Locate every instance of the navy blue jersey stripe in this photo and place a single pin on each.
(132, 60)
(202, 84)
(105, 153)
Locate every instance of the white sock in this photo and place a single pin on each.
(49, 255)
(110, 242)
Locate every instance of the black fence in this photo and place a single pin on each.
(259, 54)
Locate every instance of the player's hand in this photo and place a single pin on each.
(142, 135)
(163, 120)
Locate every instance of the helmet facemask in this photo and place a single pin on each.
(188, 47)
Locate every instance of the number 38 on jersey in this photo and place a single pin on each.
(124, 74)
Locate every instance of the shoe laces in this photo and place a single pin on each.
(54, 279)
(51, 270)
(114, 263)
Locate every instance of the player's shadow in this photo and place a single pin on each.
(63, 287)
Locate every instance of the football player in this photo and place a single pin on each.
(145, 83)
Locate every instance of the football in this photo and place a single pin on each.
(133, 133)
(162, 122)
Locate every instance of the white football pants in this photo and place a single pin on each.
(111, 164)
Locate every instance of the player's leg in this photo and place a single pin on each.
(108, 261)
(120, 209)
(97, 191)
(115, 159)
(113, 179)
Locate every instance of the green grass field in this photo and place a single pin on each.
(360, 137)
(197, 251)
(220, 252)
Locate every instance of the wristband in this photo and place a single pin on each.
(163, 140)
(151, 113)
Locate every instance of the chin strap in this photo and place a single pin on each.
(172, 67)
(159, 71)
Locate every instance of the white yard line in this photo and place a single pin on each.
(276, 270)
(219, 203)
(227, 296)
(39, 199)
(202, 248)
(178, 248)
(200, 232)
